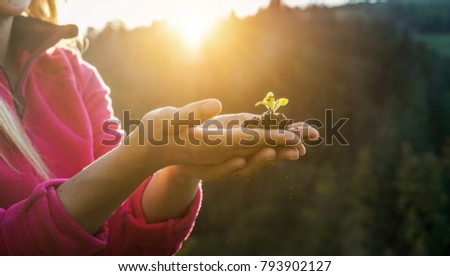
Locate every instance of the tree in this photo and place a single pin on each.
(422, 203)
(275, 4)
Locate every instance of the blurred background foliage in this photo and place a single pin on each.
(385, 66)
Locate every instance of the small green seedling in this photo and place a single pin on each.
(272, 104)
(270, 119)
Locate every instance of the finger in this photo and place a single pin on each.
(289, 153)
(269, 156)
(225, 170)
(228, 143)
(257, 162)
(195, 114)
(170, 120)
(210, 173)
(304, 130)
(265, 137)
(302, 150)
(156, 122)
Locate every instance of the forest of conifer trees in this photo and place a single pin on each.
(386, 193)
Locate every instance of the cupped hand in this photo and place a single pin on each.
(184, 136)
(246, 167)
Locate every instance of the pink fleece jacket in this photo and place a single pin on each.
(62, 103)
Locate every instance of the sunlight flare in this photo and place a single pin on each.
(193, 29)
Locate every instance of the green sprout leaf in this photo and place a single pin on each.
(279, 103)
(271, 104)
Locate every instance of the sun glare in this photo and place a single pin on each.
(193, 29)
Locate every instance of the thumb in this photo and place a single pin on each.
(196, 113)
(182, 118)
(202, 110)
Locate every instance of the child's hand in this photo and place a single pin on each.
(191, 144)
(246, 167)
(237, 166)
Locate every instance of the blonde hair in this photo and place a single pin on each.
(10, 126)
(16, 136)
(43, 9)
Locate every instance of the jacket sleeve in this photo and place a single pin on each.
(129, 233)
(40, 225)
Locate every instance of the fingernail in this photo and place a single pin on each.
(294, 157)
(312, 133)
(291, 138)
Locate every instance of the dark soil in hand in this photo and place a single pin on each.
(268, 120)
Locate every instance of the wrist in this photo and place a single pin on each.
(168, 195)
(178, 175)
(138, 152)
